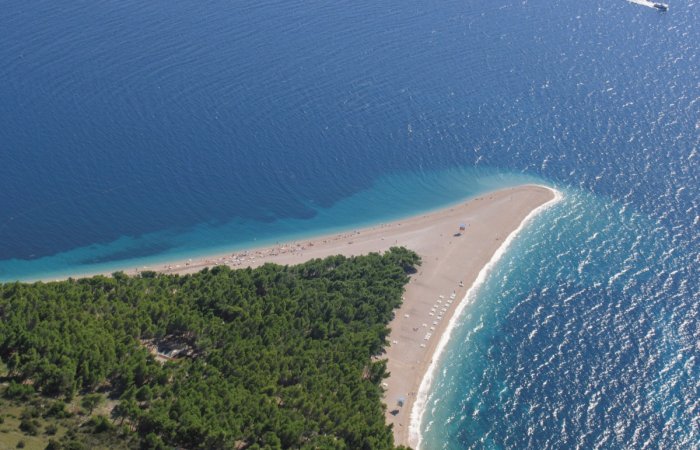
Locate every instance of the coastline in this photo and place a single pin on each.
(392, 197)
(453, 264)
(417, 411)
(492, 222)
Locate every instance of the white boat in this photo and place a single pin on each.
(656, 5)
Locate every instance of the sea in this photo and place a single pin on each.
(134, 133)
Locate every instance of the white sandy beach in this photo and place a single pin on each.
(451, 265)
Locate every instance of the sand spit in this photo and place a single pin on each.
(453, 260)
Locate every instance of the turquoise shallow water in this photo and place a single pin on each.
(391, 197)
(137, 132)
(572, 346)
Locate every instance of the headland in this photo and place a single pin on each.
(454, 259)
(457, 245)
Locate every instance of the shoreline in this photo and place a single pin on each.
(452, 263)
(453, 259)
(417, 412)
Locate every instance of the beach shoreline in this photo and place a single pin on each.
(452, 265)
(453, 262)
(417, 411)
(456, 245)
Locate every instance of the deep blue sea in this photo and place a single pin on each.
(133, 133)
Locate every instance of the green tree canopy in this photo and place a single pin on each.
(273, 357)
